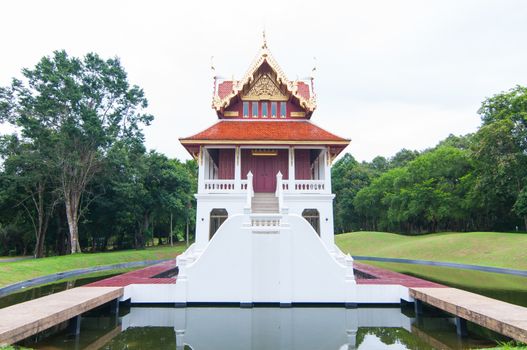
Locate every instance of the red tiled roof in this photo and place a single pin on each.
(303, 90)
(225, 88)
(258, 130)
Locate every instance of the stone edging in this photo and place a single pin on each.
(522, 273)
(11, 288)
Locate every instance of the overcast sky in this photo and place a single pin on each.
(390, 74)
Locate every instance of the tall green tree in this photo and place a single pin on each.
(28, 183)
(76, 109)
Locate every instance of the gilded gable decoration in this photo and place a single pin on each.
(264, 89)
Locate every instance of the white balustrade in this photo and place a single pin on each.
(279, 191)
(310, 186)
(250, 192)
(265, 221)
(243, 184)
(219, 186)
(295, 186)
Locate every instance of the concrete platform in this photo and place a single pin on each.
(23, 320)
(507, 319)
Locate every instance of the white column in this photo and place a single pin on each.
(201, 170)
(237, 169)
(327, 171)
(291, 169)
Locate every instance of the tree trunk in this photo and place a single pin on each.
(525, 221)
(43, 216)
(71, 202)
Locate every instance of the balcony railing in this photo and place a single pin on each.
(224, 186)
(288, 186)
(305, 186)
(220, 186)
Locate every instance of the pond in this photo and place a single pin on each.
(257, 328)
(262, 328)
(37, 292)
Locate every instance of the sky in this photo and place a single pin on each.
(390, 74)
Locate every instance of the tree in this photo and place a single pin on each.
(501, 153)
(76, 109)
(29, 184)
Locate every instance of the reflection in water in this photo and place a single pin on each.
(204, 328)
(265, 328)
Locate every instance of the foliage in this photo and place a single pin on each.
(391, 336)
(472, 182)
(76, 171)
(70, 112)
(512, 345)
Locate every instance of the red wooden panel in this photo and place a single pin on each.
(264, 169)
(238, 106)
(226, 163)
(302, 165)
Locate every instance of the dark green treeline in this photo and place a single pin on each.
(76, 174)
(474, 182)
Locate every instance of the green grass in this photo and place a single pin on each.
(510, 346)
(478, 248)
(12, 272)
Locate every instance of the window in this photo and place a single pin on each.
(217, 217)
(245, 109)
(255, 109)
(282, 109)
(273, 109)
(265, 112)
(313, 217)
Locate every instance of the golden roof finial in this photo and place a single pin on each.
(264, 44)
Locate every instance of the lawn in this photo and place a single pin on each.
(11, 272)
(478, 248)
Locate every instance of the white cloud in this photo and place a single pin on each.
(391, 74)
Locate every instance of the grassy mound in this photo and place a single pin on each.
(477, 248)
(11, 272)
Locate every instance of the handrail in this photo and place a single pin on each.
(250, 192)
(279, 191)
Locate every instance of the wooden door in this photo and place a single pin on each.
(265, 178)
(264, 169)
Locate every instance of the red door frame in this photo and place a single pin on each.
(264, 169)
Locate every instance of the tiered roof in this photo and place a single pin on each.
(266, 131)
(229, 89)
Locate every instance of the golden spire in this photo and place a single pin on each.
(264, 44)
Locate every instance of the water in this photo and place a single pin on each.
(37, 292)
(313, 328)
(257, 328)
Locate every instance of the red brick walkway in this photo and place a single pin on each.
(389, 277)
(143, 276)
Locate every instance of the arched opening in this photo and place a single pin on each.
(313, 217)
(217, 217)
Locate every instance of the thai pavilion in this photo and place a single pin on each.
(264, 224)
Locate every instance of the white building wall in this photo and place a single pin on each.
(286, 263)
(233, 203)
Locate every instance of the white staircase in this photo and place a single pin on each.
(264, 203)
